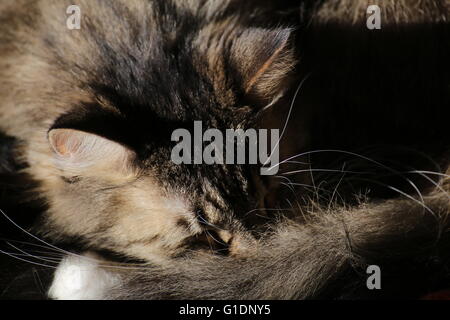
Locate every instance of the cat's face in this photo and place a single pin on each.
(114, 184)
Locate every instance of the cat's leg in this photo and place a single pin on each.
(80, 277)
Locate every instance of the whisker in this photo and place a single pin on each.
(44, 242)
(329, 151)
(32, 256)
(289, 187)
(37, 281)
(205, 222)
(298, 162)
(325, 170)
(368, 159)
(31, 235)
(212, 237)
(429, 172)
(336, 188)
(421, 202)
(315, 188)
(25, 260)
(288, 116)
(432, 182)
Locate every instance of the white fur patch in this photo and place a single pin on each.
(81, 278)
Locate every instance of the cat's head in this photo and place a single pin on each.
(116, 184)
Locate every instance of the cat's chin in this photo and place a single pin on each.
(80, 277)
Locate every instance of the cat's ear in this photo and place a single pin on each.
(264, 59)
(78, 151)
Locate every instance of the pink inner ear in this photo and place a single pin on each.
(78, 150)
(65, 141)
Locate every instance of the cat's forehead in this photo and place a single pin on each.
(168, 61)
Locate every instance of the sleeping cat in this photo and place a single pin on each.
(100, 145)
(94, 109)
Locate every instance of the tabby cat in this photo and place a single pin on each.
(93, 109)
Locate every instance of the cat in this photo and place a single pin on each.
(89, 171)
(93, 111)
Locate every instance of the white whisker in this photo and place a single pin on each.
(288, 116)
(33, 256)
(12, 255)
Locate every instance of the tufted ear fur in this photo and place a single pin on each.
(264, 59)
(79, 151)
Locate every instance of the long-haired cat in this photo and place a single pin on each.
(93, 109)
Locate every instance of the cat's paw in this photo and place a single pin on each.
(79, 277)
